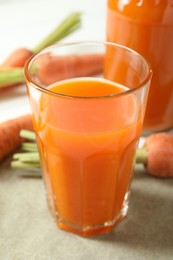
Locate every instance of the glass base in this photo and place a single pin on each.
(102, 228)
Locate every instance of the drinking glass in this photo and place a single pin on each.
(88, 102)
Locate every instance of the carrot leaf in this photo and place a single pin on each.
(11, 76)
(30, 135)
(66, 27)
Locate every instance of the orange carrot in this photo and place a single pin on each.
(157, 155)
(52, 68)
(9, 134)
(17, 58)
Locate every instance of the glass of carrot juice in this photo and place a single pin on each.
(87, 127)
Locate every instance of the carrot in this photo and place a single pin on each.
(9, 134)
(17, 58)
(52, 68)
(157, 155)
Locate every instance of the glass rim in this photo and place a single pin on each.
(37, 86)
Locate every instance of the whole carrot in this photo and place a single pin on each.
(54, 68)
(9, 134)
(51, 68)
(19, 56)
(157, 155)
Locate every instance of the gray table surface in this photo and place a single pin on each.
(28, 231)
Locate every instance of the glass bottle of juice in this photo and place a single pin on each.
(147, 27)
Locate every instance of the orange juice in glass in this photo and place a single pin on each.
(87, 129)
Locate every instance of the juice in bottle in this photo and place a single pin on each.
(147, 27)
(87, 144)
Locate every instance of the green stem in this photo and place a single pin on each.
(29, 147)
(23, 165)
(27, 157)
(69, 31)
(61, 31)
(30, 135)
(11, 76)
(141, 155)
